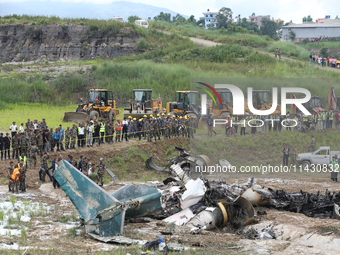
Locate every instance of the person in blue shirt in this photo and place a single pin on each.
(56, 139)
(53, 167)
(62, 135)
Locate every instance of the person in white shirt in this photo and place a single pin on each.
(89, 133)
(13, 128)
(21, 129)
(125, 124)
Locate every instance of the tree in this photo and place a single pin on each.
(201, 23)
(251, 26)
(292, 35)
(178, 18)
(224, 17)
(211, 26)
(163, 17)
(131, 19)
(271, 28)
(192, 19)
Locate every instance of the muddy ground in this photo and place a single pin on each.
(54, 226)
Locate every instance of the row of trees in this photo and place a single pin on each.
(225, 19)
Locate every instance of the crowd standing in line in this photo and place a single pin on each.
(323, 61)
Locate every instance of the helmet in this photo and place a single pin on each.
(180, 117)
(169, 114)
(140, 119)
(158, 115)
(118, 119)
(145, 116)
(163, 114)
(151, 115)
(134, 118)
(129, 117)
(185, 117)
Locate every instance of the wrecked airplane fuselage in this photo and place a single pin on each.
(103, 213)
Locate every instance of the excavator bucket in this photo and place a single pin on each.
(75, 117)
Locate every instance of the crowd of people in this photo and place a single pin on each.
(35, 138)
(17, 171)
(317, 39)
(323, 61)
(277, 122)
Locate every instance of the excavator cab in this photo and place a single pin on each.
(142, 104)
(102, 97)
(260, 97)
(142, 95)
(185, 99)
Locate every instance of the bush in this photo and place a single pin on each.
(142, 44)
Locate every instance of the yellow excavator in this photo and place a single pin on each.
(185, 104)
(261, 102)
(142, 104)
(100, 104)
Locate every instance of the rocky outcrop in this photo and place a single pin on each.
(63, 43)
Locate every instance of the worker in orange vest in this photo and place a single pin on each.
(118, 127)
(14, 179)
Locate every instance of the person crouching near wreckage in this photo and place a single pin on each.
(334, 164)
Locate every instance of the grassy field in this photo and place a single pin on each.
(190, 30)
(21, 112)
(262, 148)
(319, 45)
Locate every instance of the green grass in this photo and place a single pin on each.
(253, 150)
(319, 45)
(94, 25)
(190, 30)
(21, 112)
(290, 50)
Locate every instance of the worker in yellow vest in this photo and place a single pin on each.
(331, 120)
(23, 159)
(81, 135)
(102, 131)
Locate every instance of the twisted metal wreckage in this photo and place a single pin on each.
(186, 200)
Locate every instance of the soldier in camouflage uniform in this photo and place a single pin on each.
(34, 150)
(22, 177)
(101, 171)
(50, 139)
(10, 170)
(84, 166)
(156, 130)
(67, 138)
(74, 133)
(23, 144)
(174, 127)
(192, 127)
(43, 166)
(150, 129)
(40, 141)
(166, 128)
(15, 146)
(110, 130)
(181, 126)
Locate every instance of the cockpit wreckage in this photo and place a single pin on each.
(185, 199)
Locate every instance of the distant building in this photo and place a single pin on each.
(257, 19)
(312, 30)
(210, 18)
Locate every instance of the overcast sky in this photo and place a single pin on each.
(287, 10)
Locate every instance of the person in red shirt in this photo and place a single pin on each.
(328, 60)
(337, 117)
